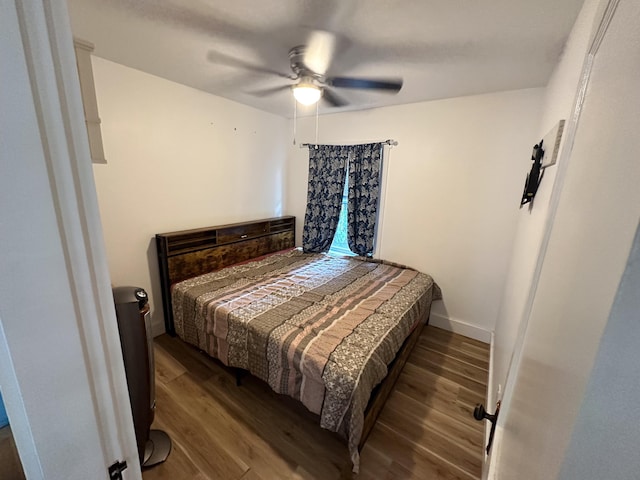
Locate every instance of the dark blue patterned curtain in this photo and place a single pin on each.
(365, 165)
(327, 171)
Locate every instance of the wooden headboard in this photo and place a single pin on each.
(189, 253)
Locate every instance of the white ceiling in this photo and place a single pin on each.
(441, 48)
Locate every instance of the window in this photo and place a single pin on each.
(332, 215)
(340, 244)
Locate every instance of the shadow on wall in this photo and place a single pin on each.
(439, 316)
(157, 313)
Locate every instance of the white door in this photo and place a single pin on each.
(597, 215)
(61, 371)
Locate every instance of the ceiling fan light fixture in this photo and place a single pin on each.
(306, 93)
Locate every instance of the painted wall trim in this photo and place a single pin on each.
(490, 402)
(460, 327)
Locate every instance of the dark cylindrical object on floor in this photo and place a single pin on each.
(134, 324)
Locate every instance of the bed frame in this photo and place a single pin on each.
(187, 253)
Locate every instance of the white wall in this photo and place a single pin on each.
(558, 102)
(591, 237)
(178, 158)
(453, 190)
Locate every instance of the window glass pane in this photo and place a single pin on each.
(340, 244)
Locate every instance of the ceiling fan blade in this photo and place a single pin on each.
(319, 51)
(388, 84)
(269, 91)
(223, 59)
(332, 99)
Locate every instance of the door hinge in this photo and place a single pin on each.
(115, 470)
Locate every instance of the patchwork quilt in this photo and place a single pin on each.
(319, 328)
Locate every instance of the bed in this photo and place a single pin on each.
(331, 332)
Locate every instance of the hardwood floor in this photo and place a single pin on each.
(221, 431)
(10, 466)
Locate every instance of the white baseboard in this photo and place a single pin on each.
(460, 327)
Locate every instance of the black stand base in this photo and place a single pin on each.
(157, 448)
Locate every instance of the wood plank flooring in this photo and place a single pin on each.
(10, 466)
(220, 431)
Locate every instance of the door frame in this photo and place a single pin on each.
(61, 368)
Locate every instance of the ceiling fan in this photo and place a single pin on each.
(309, 64)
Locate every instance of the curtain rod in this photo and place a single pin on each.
(389, 142)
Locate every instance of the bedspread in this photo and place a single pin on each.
(318, 328)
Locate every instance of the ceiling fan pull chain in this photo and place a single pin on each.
(295, 119)
(317, 123)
